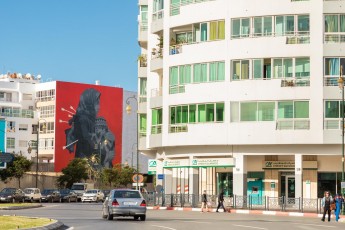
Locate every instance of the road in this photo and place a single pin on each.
(88, 216)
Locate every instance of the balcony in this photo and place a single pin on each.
(142, 34)
(295, 82)
(293, 124)
(143, 2)
(157, 61)
(156, 136)
(178, 128)
(22, 113)
(157, 21)
(142, 66)
(156, 100)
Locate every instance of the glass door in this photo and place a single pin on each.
(290, 187)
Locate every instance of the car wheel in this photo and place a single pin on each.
(136, 217)
(110, 216)
(143, 217)
(32, 200)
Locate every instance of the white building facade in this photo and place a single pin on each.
(242, 96)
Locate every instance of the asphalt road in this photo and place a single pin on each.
(88, 216)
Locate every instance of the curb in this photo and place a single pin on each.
(21, 207)
(54, 226)
(250, 212)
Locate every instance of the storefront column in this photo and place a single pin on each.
(168, 181)
(298, 175)
(240, 175)
(193, 179)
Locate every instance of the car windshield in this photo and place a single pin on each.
(8, 190)
(127, 194)
(64, 191)
(48, 191)
(91, 191)
(77, 187)
(28, 190)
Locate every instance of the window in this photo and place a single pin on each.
(293, 109)
(27, 97)
(10, 143)
(47, 111)
(217, 30)
(248, 111)
(11, 126)
(219, 112)
(200, 73)
(142, 124)
(266, 111)
(240, 28)
(23, 127)
(156, 116)
(143, 85)
(192, 113)
(240, 69)
(217, 71)
(185, 74)
(333, 109)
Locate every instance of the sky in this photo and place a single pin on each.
(71, 40)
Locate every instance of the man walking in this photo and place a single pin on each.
(221, 201)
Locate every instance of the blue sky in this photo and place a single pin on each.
(71, 40)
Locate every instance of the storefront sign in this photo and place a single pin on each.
(176, 163)
(152, 169)
(213, 162)
(279, 165)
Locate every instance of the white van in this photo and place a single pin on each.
(32, 194)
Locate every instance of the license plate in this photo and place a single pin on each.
(129, 203)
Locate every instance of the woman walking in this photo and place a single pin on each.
(338, 201)
(326, 205)
(204, 202)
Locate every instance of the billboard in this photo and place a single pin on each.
(2, 139)
(88, 123)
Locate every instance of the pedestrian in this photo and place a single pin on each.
(204, 202)
(338, 201)
(221, 201)
(326, 202)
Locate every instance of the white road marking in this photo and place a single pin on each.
(158, 226)
(244, 226)
(198, 222)
(316, 225)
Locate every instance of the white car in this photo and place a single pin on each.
(93, 195)
(32, 194)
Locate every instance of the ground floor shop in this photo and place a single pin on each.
(274, 175)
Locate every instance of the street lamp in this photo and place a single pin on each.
(134, 144)
(129, 110)
(341, 86)
(44, 127)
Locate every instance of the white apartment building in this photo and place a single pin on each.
(242, 96)
(17, 106)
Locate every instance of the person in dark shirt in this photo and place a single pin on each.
(326, 205)
(221, 201)
(204, 202)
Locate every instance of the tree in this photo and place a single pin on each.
(118, 176)
(20, 166)
(75, 171)
(17, 168)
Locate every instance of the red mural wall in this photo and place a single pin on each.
(88, 123)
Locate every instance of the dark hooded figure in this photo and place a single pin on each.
(83, 124)
(105, 140)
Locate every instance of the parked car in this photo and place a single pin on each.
(12, 195)
(93, 195)
(51, 195)
(124, 202)
(32, 194)
(68, 195)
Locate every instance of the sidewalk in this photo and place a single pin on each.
(251, 212)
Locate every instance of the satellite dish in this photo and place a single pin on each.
(19, 75)
(39, 76)
(28, 76)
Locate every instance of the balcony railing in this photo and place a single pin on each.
(330, 81)
(23, 113)
(295, 82)
(142, 133)
(297, 37)
(298, 40)
(156, 129)
(177, 89)
(178, 128)
(158, 15)
(9, 100)
(156, 92)
(175, 8)
(334, 37)
(293, 124)
(175, 49)
(332, 123)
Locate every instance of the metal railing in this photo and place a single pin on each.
(334, 37)
(332, 123)
(175, 8)
(300, 37)
(330, 81)
(175, 49)
(178, 128)
(251, 202)
(23, 113)
(295, 82)
(293, 124)
(158, 15)
(156, 129)
(177, 89)
(157, 92)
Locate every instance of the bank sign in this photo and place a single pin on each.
(201, 162)
(152, 169)
(279, 165)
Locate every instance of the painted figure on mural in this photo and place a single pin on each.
(83, 124)
(90, 135)
(105, 140)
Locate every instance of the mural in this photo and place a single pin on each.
(88, 124)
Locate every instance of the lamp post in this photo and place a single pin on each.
(341, 86)
(37, 146)
(134, 144)
(129, 110)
